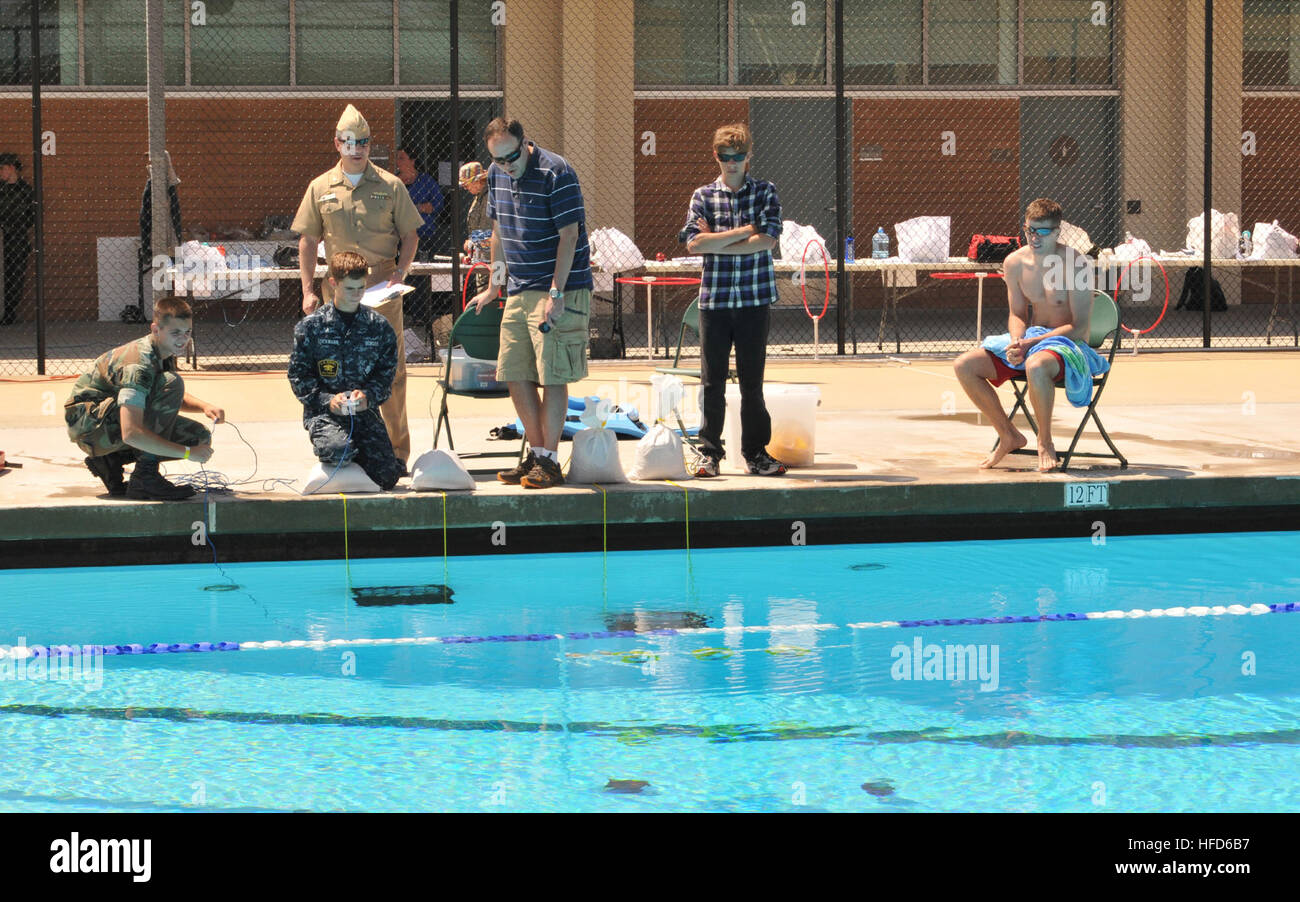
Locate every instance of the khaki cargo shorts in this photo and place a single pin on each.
(558, 357)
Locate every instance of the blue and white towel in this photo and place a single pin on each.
(1081, 362)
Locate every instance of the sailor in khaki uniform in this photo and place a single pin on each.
(356, 206)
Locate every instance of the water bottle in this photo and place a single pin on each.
(1246, 244)
(848, 249)
(880, 245)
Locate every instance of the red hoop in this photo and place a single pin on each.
(464, 291)
(1120, 282)
(803, 278)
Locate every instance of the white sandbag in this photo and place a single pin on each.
(1272, 242)
(1225, 235)
(440, 469)
(659, 451)
(595, 449)
(350, 479)
(659, 455)
(924, 239)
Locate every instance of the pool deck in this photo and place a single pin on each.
(1211, 438)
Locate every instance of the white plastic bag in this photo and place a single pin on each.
(659, 451)
(1075, 238)
(202, 265)
(613, 251)
(924, 239)
(1133, 249)
(440, 469)
(1272, 242)
(794, 242)
(1225, 234)
(350, 479)
(595, 449)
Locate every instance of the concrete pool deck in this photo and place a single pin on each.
(898, 447)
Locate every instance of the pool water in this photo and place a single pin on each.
(790, 708)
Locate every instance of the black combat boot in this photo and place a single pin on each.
(109, 469)
(147, 484)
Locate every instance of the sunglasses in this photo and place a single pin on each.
(1040, 230)
(511, 157)
(732, 157)
(359, 142)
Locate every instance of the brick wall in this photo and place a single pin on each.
(1270, 188)
(239, 160)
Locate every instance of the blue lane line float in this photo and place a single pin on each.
(160, 648)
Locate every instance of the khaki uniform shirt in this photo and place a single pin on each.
(368, 219)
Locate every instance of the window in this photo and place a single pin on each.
(58, 24)
(681, 42)
(882, 42)
(972, 42)
(1271, 44)
(779, 43)
(116, 48)
(241, 44)
(344, 43)
(1067, 42)
(425, 43)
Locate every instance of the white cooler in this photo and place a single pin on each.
(793, 409)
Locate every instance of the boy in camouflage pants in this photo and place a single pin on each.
(127, 407)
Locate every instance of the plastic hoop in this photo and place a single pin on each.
(1163, 274)
(464, 291)
(803, 279)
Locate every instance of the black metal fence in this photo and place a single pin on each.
(865, 115)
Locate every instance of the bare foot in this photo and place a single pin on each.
(1047, 458)
(1004, 447)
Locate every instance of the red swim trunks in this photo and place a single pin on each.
(1005, 372)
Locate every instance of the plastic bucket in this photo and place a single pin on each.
(793, 409)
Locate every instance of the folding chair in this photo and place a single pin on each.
(1104, 324)
(480, 336)
(690, 320)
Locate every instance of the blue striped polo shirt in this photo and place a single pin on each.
(529, 212)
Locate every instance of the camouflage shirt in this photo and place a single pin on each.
(127, 373)
(330, 356)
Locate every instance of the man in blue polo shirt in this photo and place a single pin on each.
(734, 222)
(540, 233)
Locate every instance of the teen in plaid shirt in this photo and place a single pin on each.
(734, 222)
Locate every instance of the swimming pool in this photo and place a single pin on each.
(760, 685)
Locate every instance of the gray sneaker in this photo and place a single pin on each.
(704, 466)
(764, 464)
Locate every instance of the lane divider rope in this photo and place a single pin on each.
(157, 648)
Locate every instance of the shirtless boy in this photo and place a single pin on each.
(1057, 283)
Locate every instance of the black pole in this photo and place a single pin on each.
(1205, 191)
(457, 239)
(842, 289)
(38, 188)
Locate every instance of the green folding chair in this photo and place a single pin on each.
(1104, 323)
(479, 334)
(690, 320)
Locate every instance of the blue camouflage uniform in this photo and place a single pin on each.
(331, 356)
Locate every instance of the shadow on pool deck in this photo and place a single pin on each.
(897, 443)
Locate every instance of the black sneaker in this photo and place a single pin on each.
(109, 469)
(520, 470)
(147, 484)
(764, 464)
(704, 466)
(544, 475)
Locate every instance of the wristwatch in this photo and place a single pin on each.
(556, 293)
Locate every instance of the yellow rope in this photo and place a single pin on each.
(444, 538)
(347, 561)
(688, 515)
(604, 544)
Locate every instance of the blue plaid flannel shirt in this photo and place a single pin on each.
(736, 280)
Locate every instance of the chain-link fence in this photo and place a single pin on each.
(962, 111)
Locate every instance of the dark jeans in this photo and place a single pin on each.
(15, 263)
(746, 328)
